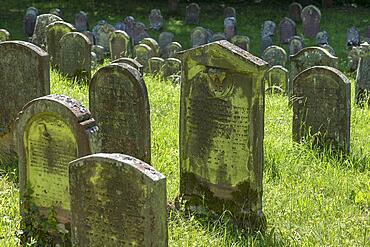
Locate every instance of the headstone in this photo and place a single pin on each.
(192, 14)
(94, 60)
(142, 54)
(172, 49)
(221, 132)
(4, 35)
(172, 69)
(275, 55)
(353, 37)
(132, 62)
(55, 32)
(229, 27)
(99, 51)
(241, 41)
(295, 10)
(173, 7)
(268, 29)
(367, 35)
(362, 83)
(81, 22)
(198, 37)
(120, 26)
(165, 38)
(119, 44)
(90, 36)
(295, 45)
(311, 17)
(156, 65)
(265, 42)
(322, 107)
(287, 30)
(39, 34)
(156, 19)
(277, 76)
(129, 22)
(30, 21)
(328, 48)
(327, 3)
(139, 32)
(24, 76)
(218, 37)
(322, 38)
(353, 59)
(153, 44)
(117, 200)
(119, 103)
(229, 12)
(51, 131)
(102, 33)
(75, 56)
(57, 12)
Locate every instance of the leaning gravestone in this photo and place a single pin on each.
(132, 62)
(362, 83)
(277, 76)
(139, 32)
(295, 10)
(241, 41)
(192, 14)
(311, 17)
(229, 27)
(287, 30)
(81, 22)
(24, 76)
(51, 131)
(156, 19)
(4, 35)
(322, 38)
(54, 33)
(322, 107)
(142, 54)
(353, 37)
(156, 65)
(75, 56)
(275, 55)
(295, 45)
(119, 104)
(39, 34)
(102, 33)
(119, 44)
(30, 21)
(221, 132)
(117, 200)
(229, 12)
(153, 44)
(198, 37)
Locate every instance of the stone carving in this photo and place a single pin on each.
(275, 55)
(139, 32)
(172, 49)
(192, 14)
(199, 36)
(57, 12)
(295, 10)
(39, 34)
(268, 29)
(287, 30)
(311, 17)
(119, 44)
(172, 69)
(129, 22)
(156, 19)
(81, 22)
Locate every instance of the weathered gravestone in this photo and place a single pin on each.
(139, 33)
(142, 54)
(275, 55)
(287, 30)
(54, 33)
(117, 200)
(156, 65)
(102, 33)
(129, 22)
(173, 7)
(353, 59)
(75, 56)
(266, 42)
(24, 76)
(322, 38)
(362, 84)
(153, 44)
(198, 37)
(221, 131)
(295, 10)
(81, 22)
(165, 38)
(268, 29)
(367, 35)
(99, 51)
(120, 26)
(57, 12)
(277, 76)
(218, 37)
(172, 69)
(94, 60)
(51, 131)
(295, 45)
(241, 41)
(39, 34)
(311, 17)
(132, 62)
(192, 14)
(4, 35)
(172, 49)
(119, 104)
(327, 3)
(353, 37)
(229, 27)
(229, 12)
(119, 43)
(322, 107)
(328, 48)
(30, 21)
(156, 19)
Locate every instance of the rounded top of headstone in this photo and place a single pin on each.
(229, 12)
(322, 38)
(268, 28)
(119, 33)
(32, 11)
(56, 12)
(313, 49)
(75, 36)
(277, 67)
(57, 24)
(287, 20)
(23, 45)
(310, 10)
(132, 62)
(322, 70)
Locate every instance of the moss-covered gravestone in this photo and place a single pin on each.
(153, 44)
(142, 54)
(222, 131)
(322, 107)
(119, 44)
(117, 200)
(241, 41)
(4, 35)
(24, 76)
(51, 131)
(39, 34)
(119, 104)
(277, 76)
(275, 55)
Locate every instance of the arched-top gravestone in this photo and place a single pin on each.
(39, 34)
(24, 76)
(117, 200)
(229, 27)
(275, 55)
(30, 21)
(198, 37)
(221, 131)
(218, 36)
(153, 44)
(353, 37)
(172, 68)
(322, 38)
(229, 12)
(156, 19)
(54, 33)
(4, 35)
(268, 29)
(241, 41)
(172, 49)
(295, 45)
(362, 83)
(322, 107)
(132, 62)
(75, 56)
(119, 103)
(192, 14)
(287, 30)
(119, 43)
(142, 54)
(277, 76)
(295, 10)
(51, 131)
(102, 31)
(311, 17)
(139, 32)
(81, 21)
(156, 65)
(164, 39)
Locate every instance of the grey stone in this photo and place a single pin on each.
(311, 17)
(99, 51)
(102, 33)
(229, 12)
(165, 38)
(4, 35)
(153, 44)
(172, 69)
(30, 21)
(277, 76)
(362, 83)
(139, 32)
(218, 37)
(39, 34)
(119, 44)
(295, 45)
(156, 65)
(322, 38)
(353, 37)
(275, 55)
(287, 29)
(241, 41)
(129, 22)
(57, 12)
(156, 19)
(120, 26)
(192, 14)
(94, 60)
(132, 62)
(172, 49)
(353, 59)
(295, 10)
(328, 48)
(229, 27)
(268, 29)
(265, 42)
(199, 36)
(142, 54)
(81, 21)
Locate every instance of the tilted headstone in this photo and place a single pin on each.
(90, 36)
(311, 17)
(81, 21)
(142, 54)
(229, 12)
(268, 29)
(353, 59)
(241, 41)
(156, 19)
(173, 7)
(266, 41)
(75, 56)
(99, 51)
(221, 132)
(172, 49)
(295, 10)
(287, 30)
(218, 37)
(55, 32)
(275, 55)
(30, 21)
(153, 44)
(156, 65)
(229, 27)
(139, 32)
(24, 76)
(327, 3)
(117, 200)
(277, 76)
(129, 22)
(51, 131)
(102, 33)
(4, 35)
(198, 37)
(322, 38)
(119, 43)
(57, 12)
(192, 14)
(119, 103)
(367, 35)
(322, 107)
(295, 45)
(165, 38)
(132, 62)
(353, 37)
(172, 69)
(39, 34)
(328, 48)
(362, 83)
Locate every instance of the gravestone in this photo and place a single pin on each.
(119, 104)
(322, 107)
(139, 32)
(57, 12)
(192, 14)
(142, 54)
(277, 76)
(75, 56)
(132, 62)
(241, 41)
(295, 10)
(39, 34)
(327, 3)
(367, 35)
(268, 29)
(102, 33)
(172, 49)
(173, 7)
(156, 19)
(153, 44)
(353, 59)
(117, 200)
(295, 45)
(119, 43)
(120, 26)
(172, 69)
(229, 27)
(265, 42)
(218, 37)
(198, 37)
(165, 38)
(353, 37)
(156, 65)
(129, 22)
(4, 35)
(24, 76)
(322, 38)
(362, 83)
(30, 21)
(221, 132)
(51, 131)
(229, 12)
(275, 55)
(90, 36)
(55, 32)
(99, 51)
(81, 21)
(94, 60)
(328, 48)
(287, 30)
(311, 17)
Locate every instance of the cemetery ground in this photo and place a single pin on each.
(311, 197)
